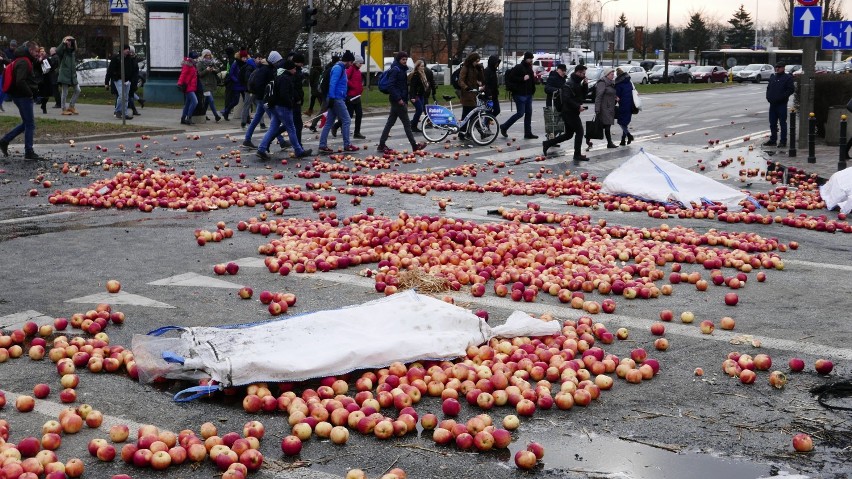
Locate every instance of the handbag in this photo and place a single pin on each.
(45, 66)
(637, 100)
(594, 129)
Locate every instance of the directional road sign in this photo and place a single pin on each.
(119, 6)
(807, 21)
(383, 17)
(837, 35)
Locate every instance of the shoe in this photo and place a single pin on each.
(285, 144)
(4, 147)
(118, 115)
(386, 150)
(313, 129)
(359, 136)
(248, 144)
(531, 137)
(611, 145)
(44, 109)
(623, 141)
(770, 143)
(420, 146)
(218, 118)
(462, 136)
(305, 153)
(225, 115)
(416, 130)
(31, 155)
(309, 113)
(544, 147)
(503, 132)
(580, 158)
(67, 112)
(325, 150)
(262, 126)
(629, 138)
(130, 117)
(334, 131)
(783, 144)
(350, 148)
(264, 155)
(1, 107)
(142, 103)
(243, 126)
(73, 110)
(135, 113)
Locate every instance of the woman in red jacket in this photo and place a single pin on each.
(188, 84)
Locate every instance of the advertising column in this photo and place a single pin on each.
(167, 27)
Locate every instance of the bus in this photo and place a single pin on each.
(730, 57)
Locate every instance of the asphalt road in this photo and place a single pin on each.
(57, 259)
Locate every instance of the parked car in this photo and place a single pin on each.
(637, 73)
(593, 74)
(755, 73)
(438, 71)
(92, 72)
(793, 69)
(677, 74)
(709, 74)
(831, 67)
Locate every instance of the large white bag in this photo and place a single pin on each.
(837, 191)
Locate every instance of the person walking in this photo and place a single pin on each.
(520, 80)
(354, 89)
(238, 88)
(67, 79)
(337, 104)
(227, 63)
(778, 92)
(314, 77)
(492, 84)
(188, 84)
(283, 105)
(114, 79)
(322, 88)
(22, 92)
(555, 81)
(419, 88)
(252, 64)
(42, 72)
(132, 97)
(4, 60)
(398, 98)
(266, 72)
(572, 95)
(471, 78)
(208, 72)
(299, 78)
(605, 99)
(53, 58)
(624, 95)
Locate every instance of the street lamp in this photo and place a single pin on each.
(600, 19)
(756, 12)
(666, 44)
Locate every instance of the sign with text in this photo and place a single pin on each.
(383, 17)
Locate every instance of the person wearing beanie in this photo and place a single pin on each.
(337, 105)
(113, 79)
(238, 88)
(283, 106)
(572, 95)
(266, 72)
(398, 98)
(354, 89)
(555, 81)
(624, 92)
(520, 81)
(208, 72)
(188, 84)
(299, 77)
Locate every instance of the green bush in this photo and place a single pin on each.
(829, 90)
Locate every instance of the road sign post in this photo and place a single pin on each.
(121, 7)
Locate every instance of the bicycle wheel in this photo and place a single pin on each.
(483, 129)
(432, 133)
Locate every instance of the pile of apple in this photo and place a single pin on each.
(743, 366)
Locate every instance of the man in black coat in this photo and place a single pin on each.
(492, 84)
(520, 80)
(555, 81)
(572, 95)
(778, 92)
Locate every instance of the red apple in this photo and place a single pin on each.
(823, 366)
(803, 443)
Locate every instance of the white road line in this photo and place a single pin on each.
(120, 298)
(616, 320)
(17, 320)
(195, 279)
(679, 125)
(840, 267)
(29, 219)
(738, 116)
(710, 120)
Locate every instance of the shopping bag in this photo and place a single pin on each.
(594, 129)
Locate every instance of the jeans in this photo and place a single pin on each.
(259, 111)
(336, 109)
(401, 112)
(64, 96)
(121, 99)
(189, 104)
(778, 111)
(27, 126)
(211, 104)
(2, 93)
(524, 105)
(233, 100)
(418, 110)
(281, 116)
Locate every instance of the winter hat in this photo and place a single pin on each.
(193, 54)
(273, 57)
(298, 58)
(359, 60)
(528, 55)
(348, 56)
(288, 65)
(206, 52)
(13, 43)
(606, 71)
(244, 53)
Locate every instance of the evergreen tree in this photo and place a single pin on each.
(741, 32)
(628, 31)
(696, 34)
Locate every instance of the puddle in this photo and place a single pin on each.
(610, 457)
(739, 163)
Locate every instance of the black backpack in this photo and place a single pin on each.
(257, 80)
(245, 73)
(325, 81)
(454, 79)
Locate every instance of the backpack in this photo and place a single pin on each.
(256, 81)
(269, 92)
(325, 81)
(245, 73)
(8, 77)
(385, 81)
(454, 79)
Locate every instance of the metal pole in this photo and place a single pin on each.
(666, 44)
(450, 35)
(121, 94)
(841, 162)
(811, 137)
(792, 152)
(311, 41)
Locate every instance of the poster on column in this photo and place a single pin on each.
(166, 32)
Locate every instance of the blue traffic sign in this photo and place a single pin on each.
(837, 35)
(383, 17)
(119, 6)
(807, 21)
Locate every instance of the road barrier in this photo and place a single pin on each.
(811, 137)
(841, 162)
(792, 136)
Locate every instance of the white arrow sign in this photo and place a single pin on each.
(378, 17)
(848, 35)
(830, 38)
(367, 20)
(390, 17)
(807, 18)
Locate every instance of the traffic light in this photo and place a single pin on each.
(309, 18)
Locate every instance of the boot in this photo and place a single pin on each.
(544, 147)
(623, 140)
(629, 138)
(135, 112)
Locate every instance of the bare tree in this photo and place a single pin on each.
(258, 26)
(54, 19)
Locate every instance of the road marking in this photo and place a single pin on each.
(738, 116)
(195, 279)
(250, 262)
(16, 320)
(616, 320)
(710, 120)
(52, 409)
(120, 298)
(28, 219)
(840, 267)
(679, 125)
(723, 144)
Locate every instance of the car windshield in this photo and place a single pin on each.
(703, 69)
(593, 73)
(753, 67)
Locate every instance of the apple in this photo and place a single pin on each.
(220, 269)
(525, 459)
(622, 333)
(687, 317)
(252, 459)
(232, 268)
(71, 423)
(777, 379)
(661, 344)
(245, 292)
(29, 447)
(731, 299)
(658, 329)
(803, 443)
(41, 391)
(450, 407)
(119, 433)
(796, 365)
(160, 460)
(727, 323)
(24, 403)
(339, 435)
(113, 286)
(69, 381)
(291, 445)
(823, 366)
(74, 467)
(68, 395)
(747, 376)
(762, 362)
(106, 453)
(707, 327)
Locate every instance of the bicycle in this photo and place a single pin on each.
(440, 121)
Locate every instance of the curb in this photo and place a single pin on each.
(113, 136)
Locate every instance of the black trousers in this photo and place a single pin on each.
(573, 127)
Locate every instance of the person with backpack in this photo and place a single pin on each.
(265, 73)
(187, 83)
(421, 82)
(492, 84)
(238, 88)
(19, 83)
(471, 77)
(282, 102)
(520, 81)
(572, 95)
(322, 88)
(624, 93)
(605, 100)
(354, 89)
(396, 80)
(114, 81)
(251, 66)
(208, 72)
(336, 99)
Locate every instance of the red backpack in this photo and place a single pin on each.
(8, 77)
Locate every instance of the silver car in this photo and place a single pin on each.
(92, 72)
(755, 73)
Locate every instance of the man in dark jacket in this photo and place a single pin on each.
(22, 92)
(266, 69)
(283, 110)
(778, 92)
(114, 80)
(299, 78)
(520, 80)
(572, 95)
(238, 89)
(398, 98)
(555, 81)
(492, 84)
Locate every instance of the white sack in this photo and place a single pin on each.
(652, 178)
(837, 191)
(402, 327)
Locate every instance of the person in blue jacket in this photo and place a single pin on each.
(778, 92)
(337, 86)
(624, 113)
(398, 98)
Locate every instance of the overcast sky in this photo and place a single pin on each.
(636, 11)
